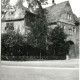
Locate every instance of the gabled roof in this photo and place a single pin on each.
(54, 12)
(18, 13)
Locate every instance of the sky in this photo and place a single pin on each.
(75, 5)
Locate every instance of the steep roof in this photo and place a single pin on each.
(76, 18)
(18, 10)
(54, 12)
(13, 13)
(79, 19)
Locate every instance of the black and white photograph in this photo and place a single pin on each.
(40, 39)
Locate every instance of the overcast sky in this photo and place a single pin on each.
(75, 5)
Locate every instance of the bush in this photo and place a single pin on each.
(59, 46)
(11, 44)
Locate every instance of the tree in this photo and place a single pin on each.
(37, 23)
(11, 43)
(58, 39)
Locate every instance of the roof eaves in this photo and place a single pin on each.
(20, 19)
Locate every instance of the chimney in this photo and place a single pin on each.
(53, 2)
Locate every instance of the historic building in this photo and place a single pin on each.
(56, 14)
(61, 14)
(13, 19)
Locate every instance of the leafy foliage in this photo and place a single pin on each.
(37, 37)
(14, 45)
(59, 45)
(11, 43)
(58, 34)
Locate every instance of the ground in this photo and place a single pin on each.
(40, 70)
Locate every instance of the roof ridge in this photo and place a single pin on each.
(54, 12)
(58, 4)
(64, 2)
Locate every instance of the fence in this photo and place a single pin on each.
(31, 58)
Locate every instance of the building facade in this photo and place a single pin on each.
(61, 14)
(56, 14)
(13, 19)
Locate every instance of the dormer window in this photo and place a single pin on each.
(11, 13)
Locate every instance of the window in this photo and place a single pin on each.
(9, 26)
(69, 16)
(74, 29)
(64, 27)
(12, 13)
(70, 31)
